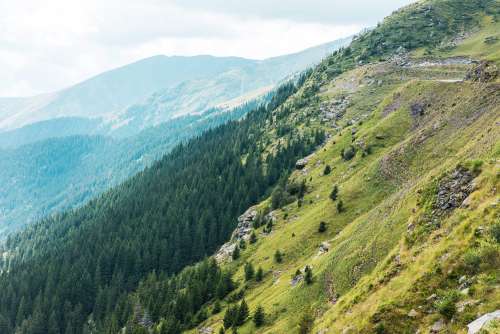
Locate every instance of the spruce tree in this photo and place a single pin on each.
(278, 257)
(327, 170)
(308, 278)
(249, 271)
(236, 253)
(260, 275)
(242, 313)
(334, 193)
(340, 206)
(253, 238)
(322, 227)
(259, 316)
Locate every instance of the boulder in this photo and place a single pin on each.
(438, 326)
(301, 164)
(413, 313)
(205, 330)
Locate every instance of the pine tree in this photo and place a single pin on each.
(308, 278)
(243, 244)
(242, 313)
(260, 275)
(327, 170)
(278, 257)
(249, 271)
(217, 307)
(340, 206)
(322, 227)
(231, 317)
(236, 253)
(334, 193)
(259, 316)
(253, 238)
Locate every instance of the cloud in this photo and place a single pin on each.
(46, 46)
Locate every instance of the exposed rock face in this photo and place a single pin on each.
(334, 110)
(417, 109)
(454, 189)
(244, 227)
(205, 330)
(324, 247)
(225, 252)
(484, 72)
(301, 164)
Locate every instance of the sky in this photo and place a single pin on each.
(48, 45)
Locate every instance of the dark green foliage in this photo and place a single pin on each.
(243, 313)
(322, 227)
(334, 193)
(221, 330)
(249, 271)
(340, 206)
(242, 244)
(495, 232)
(217, 307)
(259, 317)
(278, 257)
(173, 214)
(471, 261)
(231, 316)
(308, 277)
(253, 238)
(327, 170)
(306, 322)
(236, 253)
(349, 153)
(260, 275)
(446, 306)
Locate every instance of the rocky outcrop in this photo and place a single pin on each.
(454, 189)
(484, 72)
(334, 110)
(301, 164)
(244, 227)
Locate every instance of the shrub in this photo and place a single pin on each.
(446, 306)
(308, 278)
(278, 257)
(495, 232)
(322, 227)
(340, 207)
(471, 261)
(217, 307)
(335, 192)
(306, 323)
(349, 153)
(327, 170)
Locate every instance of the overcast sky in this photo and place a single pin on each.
(48, 45)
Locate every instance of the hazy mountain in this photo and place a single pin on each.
(147, 93)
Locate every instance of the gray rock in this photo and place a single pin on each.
(413, 313)
(475, 326)
(438, 326)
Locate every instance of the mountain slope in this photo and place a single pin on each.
(387, 215)
(105, 96)
(126, 135)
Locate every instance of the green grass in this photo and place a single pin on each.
(381, 192)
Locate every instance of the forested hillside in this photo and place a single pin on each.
(362, 198)
(174, 213)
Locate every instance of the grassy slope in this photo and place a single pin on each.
(380, 192)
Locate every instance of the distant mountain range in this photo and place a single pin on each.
(61, 149)
(146, 93)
